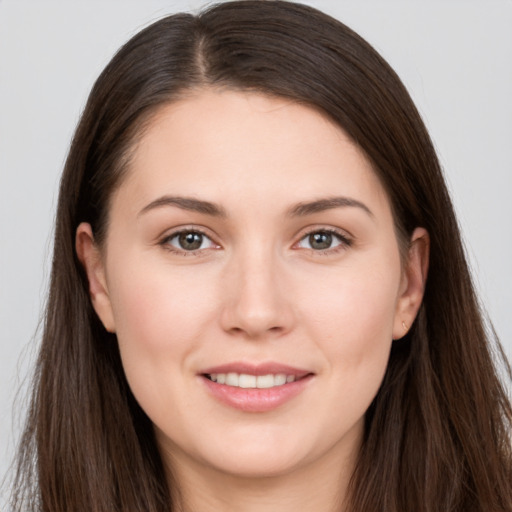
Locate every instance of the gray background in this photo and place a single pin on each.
(455, 57)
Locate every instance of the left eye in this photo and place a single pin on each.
(322, 240)
(189, 241)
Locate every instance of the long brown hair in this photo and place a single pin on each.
(437, 435)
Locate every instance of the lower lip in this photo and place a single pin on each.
(256, 399)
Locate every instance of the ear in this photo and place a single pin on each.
(412, 286)
(90, 258)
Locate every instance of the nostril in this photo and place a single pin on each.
(256, 314)
(256, 332)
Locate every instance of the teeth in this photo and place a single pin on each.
(265, 381)
(280, 379)
(244, 380)
(232, 379)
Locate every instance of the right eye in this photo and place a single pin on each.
(188, 241)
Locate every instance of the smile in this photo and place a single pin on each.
(255, 388)
(247, 381)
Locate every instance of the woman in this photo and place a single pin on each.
(259, 297)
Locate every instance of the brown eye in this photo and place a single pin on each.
(320, 240)
(188, 241)
(323, 240)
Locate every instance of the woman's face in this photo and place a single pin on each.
(252, 275)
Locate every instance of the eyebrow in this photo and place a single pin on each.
(186, 203)
(299, 210)
(320, 205)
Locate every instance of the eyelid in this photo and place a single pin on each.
(164, 239)
(344, 236)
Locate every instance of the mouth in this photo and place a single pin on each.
(255, 388)
(248, 381)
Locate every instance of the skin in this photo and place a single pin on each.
(256, 291)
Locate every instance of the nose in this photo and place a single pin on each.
(257, 303)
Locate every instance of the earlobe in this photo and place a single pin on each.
(90, 258)
(413, 282)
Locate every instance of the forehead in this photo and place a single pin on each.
(229, 144)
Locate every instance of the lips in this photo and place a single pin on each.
(255, 388)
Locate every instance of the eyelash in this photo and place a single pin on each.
(165, 242)
(344, 241)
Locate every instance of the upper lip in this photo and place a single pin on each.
(257, 369)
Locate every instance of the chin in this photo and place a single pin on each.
(264, 464)
(260, 455)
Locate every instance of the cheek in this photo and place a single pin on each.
(351, 320)
(159, 319)
(356, 301)
(154, 305)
